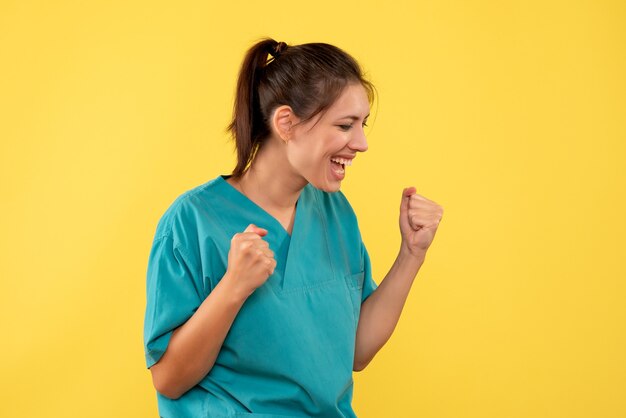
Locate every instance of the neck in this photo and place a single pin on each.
(271, 182)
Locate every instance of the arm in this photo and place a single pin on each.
(381, 310)
(419, 220)
(194, 346)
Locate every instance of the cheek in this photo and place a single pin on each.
(313, 154)
(308, 156)
(303, 159)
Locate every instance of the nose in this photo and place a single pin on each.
(359, 141)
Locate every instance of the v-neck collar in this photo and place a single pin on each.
(243, 199)
(303, 250)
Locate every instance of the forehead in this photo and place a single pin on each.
(352, 101)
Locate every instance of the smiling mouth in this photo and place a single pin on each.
(338, 168)
(339, 161)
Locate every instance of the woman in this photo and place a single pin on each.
(260, 297)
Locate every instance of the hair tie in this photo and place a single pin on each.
(278, 49)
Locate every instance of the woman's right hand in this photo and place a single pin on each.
(250, 260)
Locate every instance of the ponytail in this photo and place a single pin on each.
(246, 111)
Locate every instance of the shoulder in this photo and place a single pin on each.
(181, 215)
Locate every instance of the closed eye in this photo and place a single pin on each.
(347, 127)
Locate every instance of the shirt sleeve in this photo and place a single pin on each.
(173, 295)
(369, 285)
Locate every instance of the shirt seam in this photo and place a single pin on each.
(178, 245)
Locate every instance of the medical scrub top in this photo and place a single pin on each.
(290, 349)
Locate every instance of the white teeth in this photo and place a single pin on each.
(341, 160)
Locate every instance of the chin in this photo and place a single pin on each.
(330, 187)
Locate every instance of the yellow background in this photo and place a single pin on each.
(511, 115)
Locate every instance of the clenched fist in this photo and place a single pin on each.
(419, 220)
(250, 260)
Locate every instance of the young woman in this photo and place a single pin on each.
(260, 297)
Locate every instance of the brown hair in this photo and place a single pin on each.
(307, 77)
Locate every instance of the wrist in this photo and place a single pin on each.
(406, 254)
(233, 289)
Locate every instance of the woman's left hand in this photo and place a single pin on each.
(419, 220)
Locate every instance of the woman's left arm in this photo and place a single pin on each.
(419, 220)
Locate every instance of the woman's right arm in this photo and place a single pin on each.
(194, 346)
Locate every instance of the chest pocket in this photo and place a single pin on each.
(297, 279)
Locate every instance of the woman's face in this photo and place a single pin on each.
(337, 134)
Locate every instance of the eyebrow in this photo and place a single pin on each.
(353, 117)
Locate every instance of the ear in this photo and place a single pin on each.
(284, 121)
